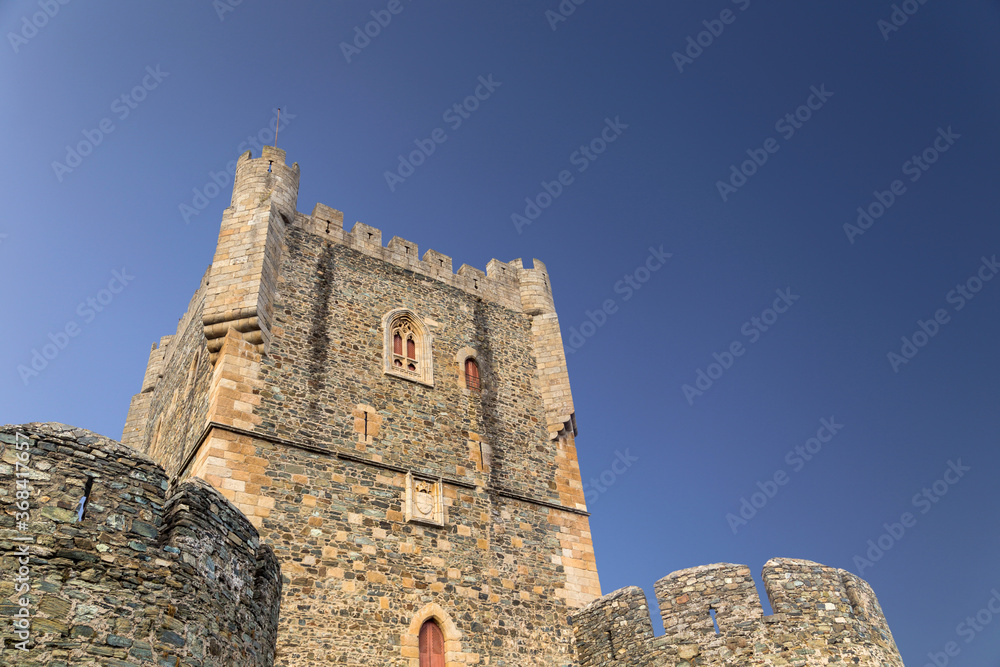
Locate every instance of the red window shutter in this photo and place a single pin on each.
(431, 645)
(411, 348)
(397, 344)
(471, 374)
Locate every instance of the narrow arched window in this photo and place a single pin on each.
(431, 645)
(472, 374)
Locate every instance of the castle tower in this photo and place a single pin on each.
(402, 435)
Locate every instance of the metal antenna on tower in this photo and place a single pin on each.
(276, 122)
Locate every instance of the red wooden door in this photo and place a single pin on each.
(431, 645)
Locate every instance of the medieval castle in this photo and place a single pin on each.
(352, 454)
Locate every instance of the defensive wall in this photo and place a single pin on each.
(822, 616)
(144, 574)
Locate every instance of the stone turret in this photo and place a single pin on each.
(244, 272)
(138, 411)
(537, 301)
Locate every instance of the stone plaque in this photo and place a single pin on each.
(424, 500)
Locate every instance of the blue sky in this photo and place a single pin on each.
(864, 98)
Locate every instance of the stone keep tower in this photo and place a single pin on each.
(402, 435)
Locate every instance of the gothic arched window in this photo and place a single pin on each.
(431, 645)
(404, 336)
(407, 347)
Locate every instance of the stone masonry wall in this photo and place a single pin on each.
(822, 616)
(506, 572)
(357, 573)
(145, 577)
(326, 357)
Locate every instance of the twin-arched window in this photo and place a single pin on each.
(431, 645)
(404, 345)
(407, 347)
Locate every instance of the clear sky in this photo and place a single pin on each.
(601, 142)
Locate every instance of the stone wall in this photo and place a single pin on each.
(146, 576)
(326, 357)
(822, 616)
(357, 573)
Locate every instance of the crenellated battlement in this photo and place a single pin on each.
(124, 569)
(263, 204)
(822, 614)
(508, 283)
